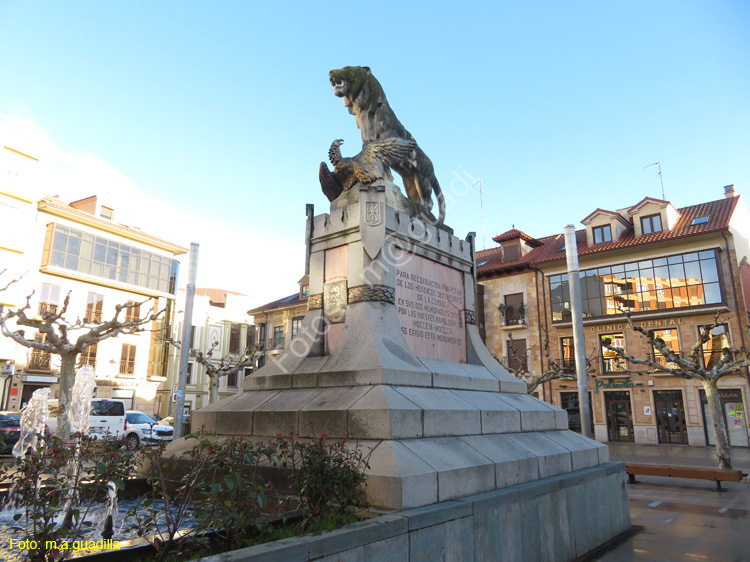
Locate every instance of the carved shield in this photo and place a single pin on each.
(372, 220)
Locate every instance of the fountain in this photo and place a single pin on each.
(33, 420)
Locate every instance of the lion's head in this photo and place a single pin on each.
(357, 85)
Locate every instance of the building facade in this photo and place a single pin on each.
(277, 322)
(77, 251)
(219, 316)
(673, 270)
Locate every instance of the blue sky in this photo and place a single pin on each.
(219, 113)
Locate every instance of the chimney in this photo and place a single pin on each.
(729, 191)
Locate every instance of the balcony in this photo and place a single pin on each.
(93, 315)
(47, 308)
(127, 367)
(40, 360)
(614, 365)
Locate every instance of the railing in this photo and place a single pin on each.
(127, 366)
(87, 360)
(40, 360)
(93, 315)
(45, 307)
(277, 343)
(661, 360)
(613, 365)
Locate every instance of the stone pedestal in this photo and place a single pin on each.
(389, 354)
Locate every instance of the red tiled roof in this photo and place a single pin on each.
(515, 234)
(128, 231)
(551, 247)
(286, 302)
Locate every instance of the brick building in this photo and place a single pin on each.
(673, 269)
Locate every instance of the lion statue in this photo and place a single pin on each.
(365, 99)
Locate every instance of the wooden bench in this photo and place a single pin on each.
(700, 472)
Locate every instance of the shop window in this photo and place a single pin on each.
(611, 361)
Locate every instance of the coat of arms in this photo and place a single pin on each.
(372, 213)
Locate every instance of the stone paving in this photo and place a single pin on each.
(685, 519)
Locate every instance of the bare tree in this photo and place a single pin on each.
(58, 340)
(521, 371)
(691, 367)
(226, 365)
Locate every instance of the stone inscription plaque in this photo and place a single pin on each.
(430, 304)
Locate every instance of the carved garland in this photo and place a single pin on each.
(375, 293)
(315, 302)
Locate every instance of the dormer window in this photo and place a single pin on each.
(602, 234)
(651, 224)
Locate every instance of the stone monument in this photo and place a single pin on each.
(389, 352)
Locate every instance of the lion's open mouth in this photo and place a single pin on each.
(340, 88)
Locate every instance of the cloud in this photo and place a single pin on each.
(233, 257)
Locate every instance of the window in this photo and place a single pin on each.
(127, 359)
(49, 299)
(611, 362)
(106, 213)
(514, 310)
(712, 349)
(567, 355)
(261, 331)
(133, 311)
(189, 376)
(517, 359)
(234, 338)
(94, 305)
(88, 356)
(602, 234)
(192, 337)
(86, 253)
(296, 325)
(232, 380)
(651, 224)
(678, 281)
(40, 359)
(699, 220)
(278, 337)
(249, 337)
(670, 338)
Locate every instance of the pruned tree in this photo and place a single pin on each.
(692, 367)
(521, 370)
(59, 340)
(222, 367)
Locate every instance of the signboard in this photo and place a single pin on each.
(430, 303)
(613, 383)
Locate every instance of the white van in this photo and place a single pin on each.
(107, 418)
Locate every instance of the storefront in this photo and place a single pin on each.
(733, 410)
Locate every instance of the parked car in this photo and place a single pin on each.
(107, 418)
(142, 428)
(10, 431)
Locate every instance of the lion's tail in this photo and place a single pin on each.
(440, 200)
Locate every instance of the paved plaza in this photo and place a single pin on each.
(684, 519)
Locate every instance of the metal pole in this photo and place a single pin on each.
(579, 342)
(187, 323)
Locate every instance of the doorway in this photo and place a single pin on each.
(670, 417)
(619, 416)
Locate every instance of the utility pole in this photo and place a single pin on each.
(481, 206)
(187, 324)
(579, 342)
(661, 178)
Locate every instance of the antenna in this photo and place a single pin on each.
(481, 204)
(661, 178)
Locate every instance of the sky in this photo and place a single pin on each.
(206, 122)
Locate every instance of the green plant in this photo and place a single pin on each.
(233, 496)
(58, 484)
(328, 476)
